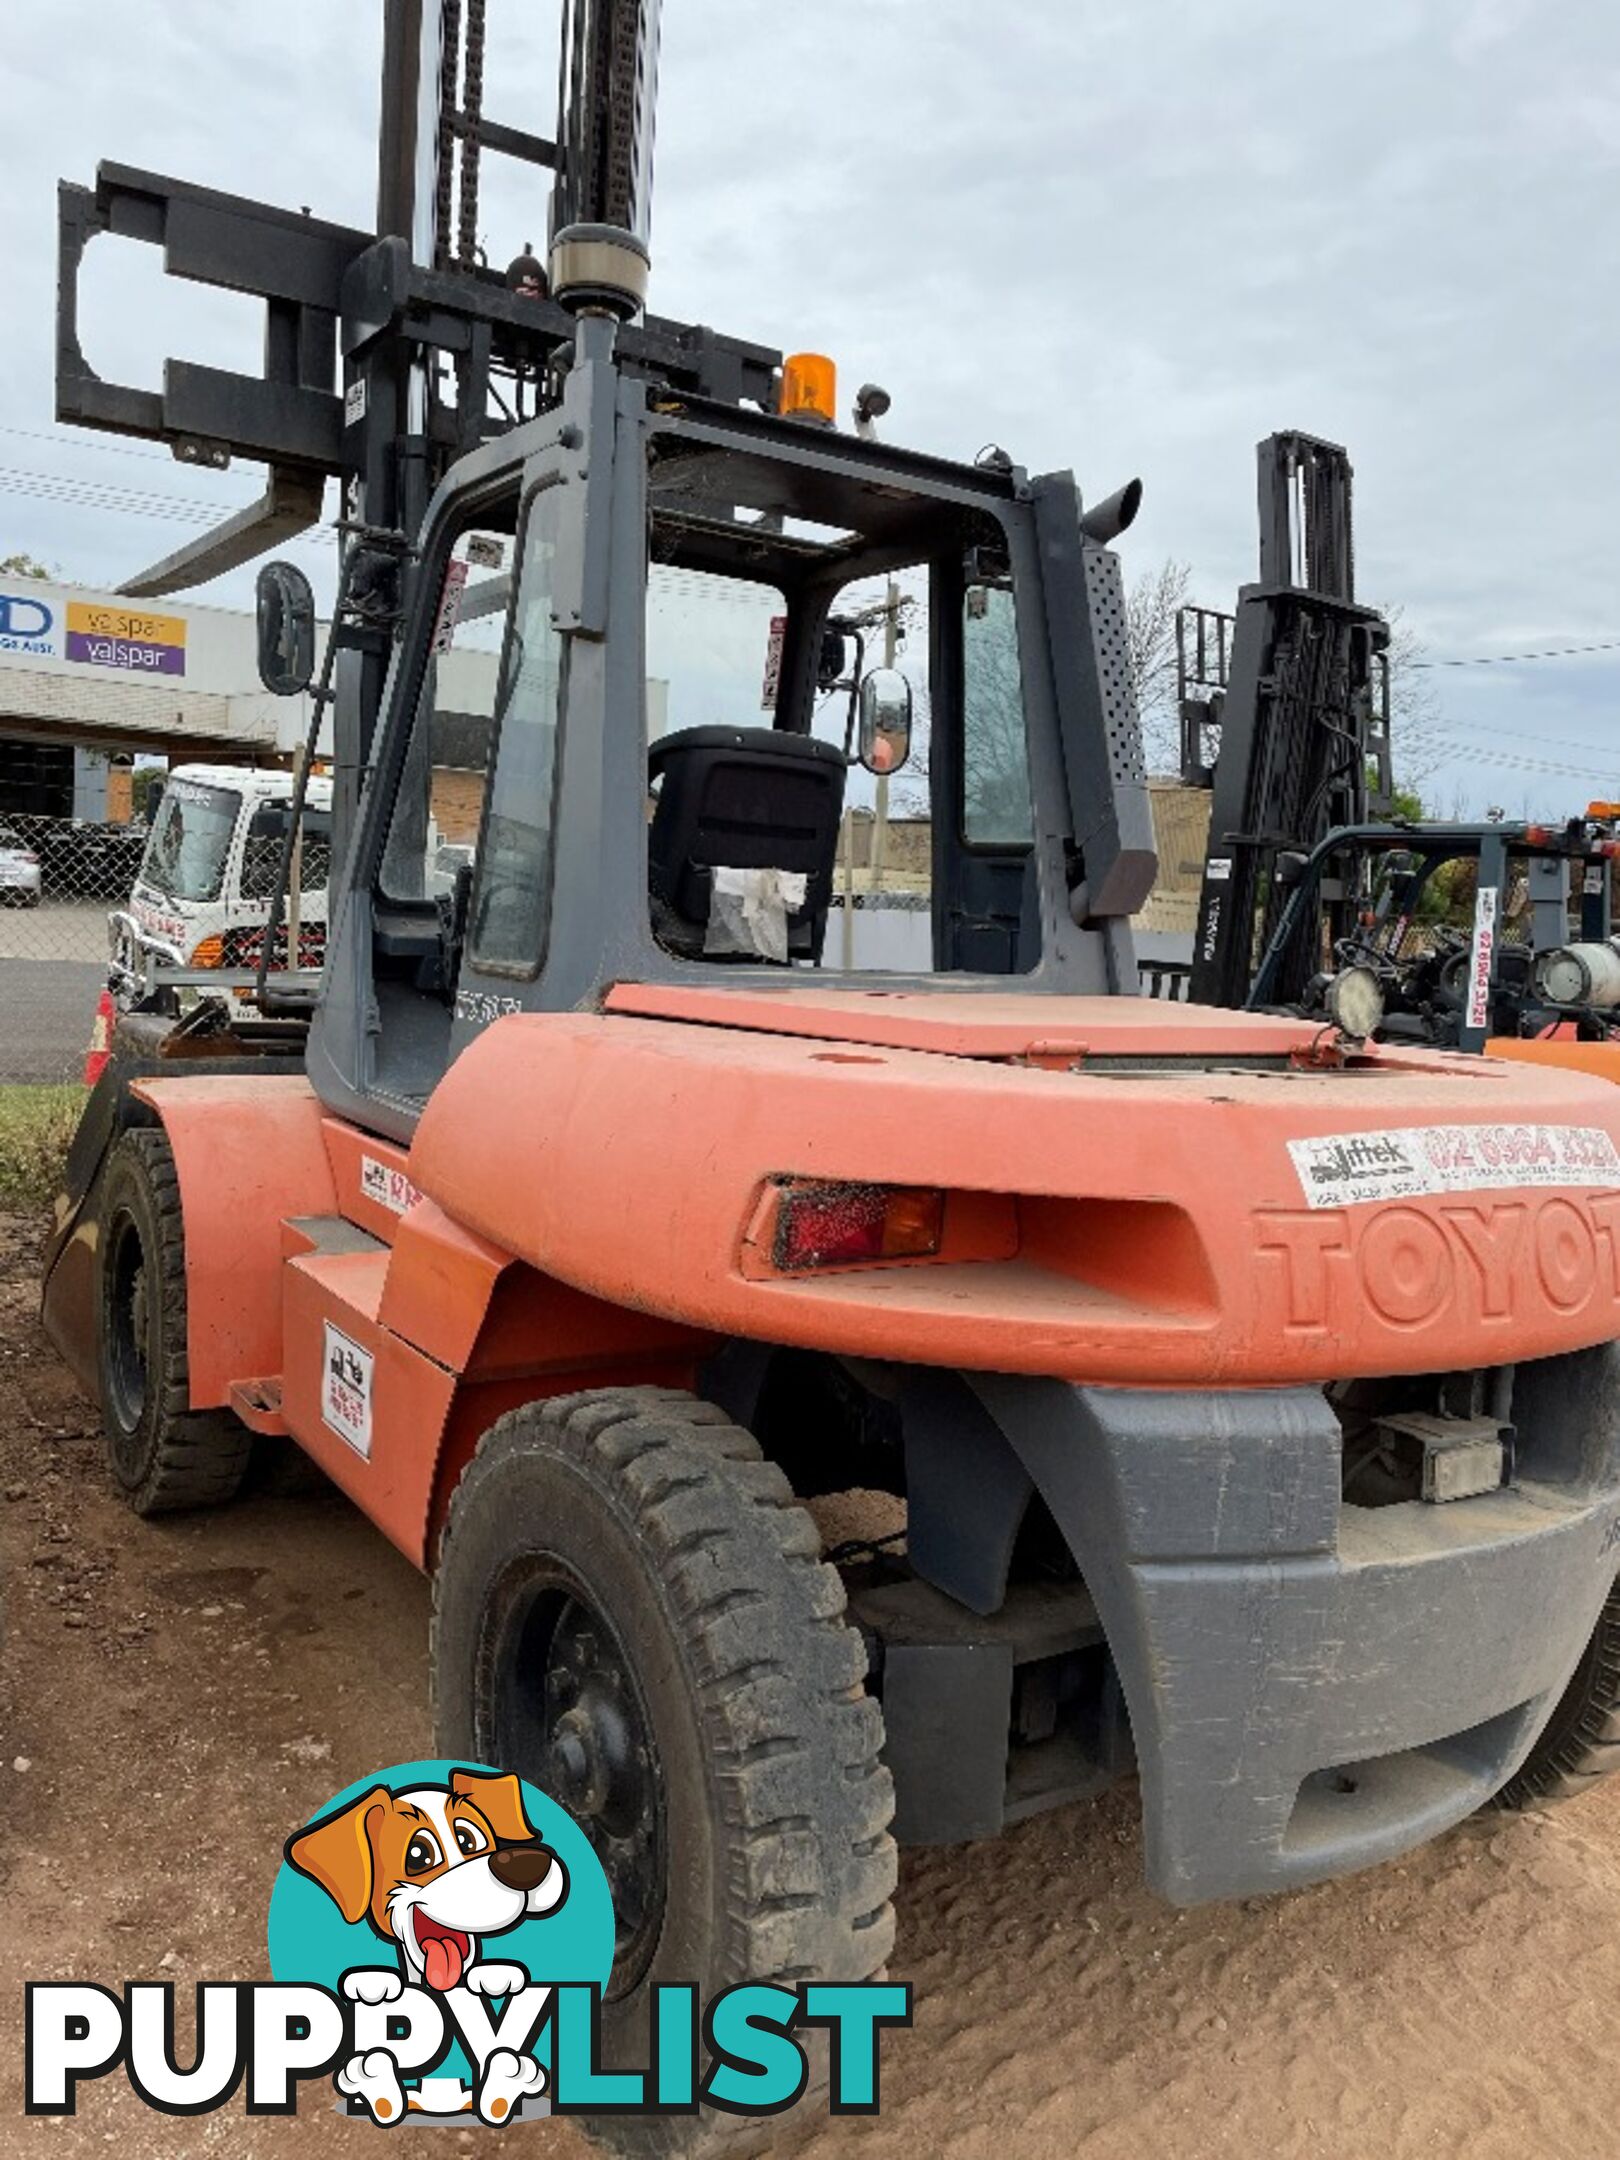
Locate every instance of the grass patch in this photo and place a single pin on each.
(36, 1124)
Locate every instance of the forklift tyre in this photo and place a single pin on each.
(631, 1611)
(163, 1455)
(1581, 1741)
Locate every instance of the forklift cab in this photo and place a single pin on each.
(618, 741)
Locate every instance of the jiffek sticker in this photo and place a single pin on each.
(1346, 1169)
(346, 1390)
(441, 1937)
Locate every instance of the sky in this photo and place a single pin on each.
(1122, 236)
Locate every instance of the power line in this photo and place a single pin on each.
(1549, 767)
(93, 442)
(127, 502)
(1519, 734)
(1515, 659)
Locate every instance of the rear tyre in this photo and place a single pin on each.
(631, 1611)
(1581, 1741)
(163, 1455)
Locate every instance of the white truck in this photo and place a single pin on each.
(202, 895)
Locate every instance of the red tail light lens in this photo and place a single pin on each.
(824, 1225)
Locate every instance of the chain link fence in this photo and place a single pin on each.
(59, 877)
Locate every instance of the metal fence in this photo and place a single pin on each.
(58, 879)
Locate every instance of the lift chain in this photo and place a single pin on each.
(449, 76)
(472, 114)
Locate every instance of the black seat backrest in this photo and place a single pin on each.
(742, 799)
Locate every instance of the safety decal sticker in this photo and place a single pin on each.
(388, 1187)
(1347, 1169)
(346, 1390)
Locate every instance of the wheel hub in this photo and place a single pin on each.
(571, 1715)
(128, 1317)
(599, 1763)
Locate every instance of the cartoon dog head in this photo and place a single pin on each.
(434, 1869)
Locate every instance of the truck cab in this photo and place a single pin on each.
(203, 892)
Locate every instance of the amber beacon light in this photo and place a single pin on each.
(810, 388)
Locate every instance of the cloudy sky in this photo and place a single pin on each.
(1131, 236)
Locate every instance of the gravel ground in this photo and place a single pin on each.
(181, 1695)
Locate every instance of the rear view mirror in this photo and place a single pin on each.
(286, 629)
(885, 740)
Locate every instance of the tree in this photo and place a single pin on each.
(995, 776)
(140, 790)
(1152, 604)
(26, 566)
(1418, 747)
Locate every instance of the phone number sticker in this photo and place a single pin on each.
(1348, 1169)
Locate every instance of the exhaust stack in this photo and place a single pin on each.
(1107, 520)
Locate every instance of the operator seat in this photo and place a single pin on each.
(742, 799)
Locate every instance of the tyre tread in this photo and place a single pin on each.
(1580, 1744)
(794, 1740)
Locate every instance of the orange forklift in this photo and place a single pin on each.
(1247, 1388)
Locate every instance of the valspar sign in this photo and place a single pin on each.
(130, 639)
(92, 633)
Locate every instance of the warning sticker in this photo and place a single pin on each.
(1346, 1169)
(346, 1390)
(390, 1188)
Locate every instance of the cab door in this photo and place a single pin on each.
(469, 672)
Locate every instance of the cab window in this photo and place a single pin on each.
(190, 842)
(261, 851)
(776, 586)
(439, 799)
(512, 913)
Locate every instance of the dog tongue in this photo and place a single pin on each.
(443, 1962)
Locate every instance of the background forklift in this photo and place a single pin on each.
(591, 1221)
(1313, 890)
(1317, 900)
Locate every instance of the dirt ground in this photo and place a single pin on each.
(173, 1699)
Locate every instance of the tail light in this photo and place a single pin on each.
(825, 1225)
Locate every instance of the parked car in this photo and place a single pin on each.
(19, 871)
(81, 859)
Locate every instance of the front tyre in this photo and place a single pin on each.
(1580, 1743)
(163, 1456)
(631, 1611)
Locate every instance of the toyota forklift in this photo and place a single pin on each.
(1248, 1389)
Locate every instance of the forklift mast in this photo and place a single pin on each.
(1284, 718)
(389, 355)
